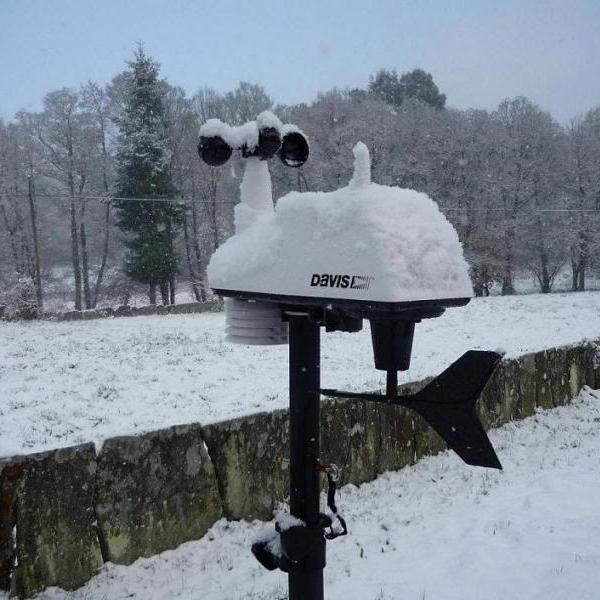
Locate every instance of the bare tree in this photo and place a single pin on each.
(583, 193)
(37, 277)
(97, 102)
(72, 135)
(520, 189)
(17, 167)
(58, 130)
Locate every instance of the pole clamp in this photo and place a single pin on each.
(333, 476)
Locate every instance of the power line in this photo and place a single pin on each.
(183, 201)
(119, 199)
(521, 210)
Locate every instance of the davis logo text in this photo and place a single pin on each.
(354, 282)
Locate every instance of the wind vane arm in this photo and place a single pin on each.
(448, 404)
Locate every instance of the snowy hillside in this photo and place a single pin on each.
(66, 383)
(435, 531)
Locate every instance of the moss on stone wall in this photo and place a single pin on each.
(154, 492)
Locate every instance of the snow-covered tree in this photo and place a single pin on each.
(143, 172)
(17, 243)
(583, 194)
(66, 140)
(96, 101)
(529, 180)
(414, 85)
(522, 191)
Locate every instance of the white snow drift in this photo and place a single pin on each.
(67, 383)
(436, 531)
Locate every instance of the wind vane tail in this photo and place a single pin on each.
(448, 405)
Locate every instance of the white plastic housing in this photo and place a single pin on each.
(362, 242)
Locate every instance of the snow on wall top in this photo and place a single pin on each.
(363, 242)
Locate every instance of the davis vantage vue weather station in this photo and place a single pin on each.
(333, 260)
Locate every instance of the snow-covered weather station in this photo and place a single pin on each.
(333, 260)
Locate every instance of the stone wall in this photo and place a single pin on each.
(48, 532)
(65, 512)
(119, 311)
(132, 311)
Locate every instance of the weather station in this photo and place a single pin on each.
(333, 260)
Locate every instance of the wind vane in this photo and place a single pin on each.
(333, 260)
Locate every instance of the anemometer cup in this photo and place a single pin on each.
(214, 150)
(269, 142)
(294, 149)
(218, 141)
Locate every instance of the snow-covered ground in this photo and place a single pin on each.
(438, 530)
(66, 383)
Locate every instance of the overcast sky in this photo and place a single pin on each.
(479, 51)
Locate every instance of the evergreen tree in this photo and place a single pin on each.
(417, 84)
(386, 86)
(143, 171)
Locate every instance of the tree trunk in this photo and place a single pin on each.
(164, 292)
(87, 296)
(477, 277)
(100, 275)
(198, 252)
(75, 254)
(172, 285)
(215, 221)
(27, 265)
(581, 286)
(13, 242)
(37, 277)
(582, 248)
(545, 286)
(544, 274)
(152, 293)
(188, 256)
(508, 287)
(574, 273)
(168, 285)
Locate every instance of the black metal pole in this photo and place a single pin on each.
(391, 386)
(306, 578)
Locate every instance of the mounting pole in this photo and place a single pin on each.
(305, 578)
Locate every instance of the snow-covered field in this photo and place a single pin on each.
(66, 383)
(436, 531)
